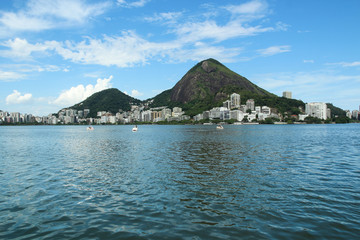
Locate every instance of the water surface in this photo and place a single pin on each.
(180, 182)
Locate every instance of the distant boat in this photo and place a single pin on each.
(219, 127)
(90, 128)
(135, 128)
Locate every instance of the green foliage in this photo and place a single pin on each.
(110, 100)
(162, 99)
(335, 111)
(312, 120)
(268, 121)
(342, 119)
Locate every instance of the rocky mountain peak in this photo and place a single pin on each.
(207, 67)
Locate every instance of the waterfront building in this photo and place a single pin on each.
(235, 100)
(146, 116)
(184, 117)
(266, 110)
(250, 104)
(199, 117)
(258, 109)
(243, 108)
(225, 114)
(112, 119)
(215, 113)
(177, 112)
(316, 109)
(348, 114)
(80, 113)
(237, 115)
(355, 114)
(155, 115)
(251, 117)
(227, 104)
(206, 115)
(166, 113)
(15, 116)
(86, 112)
(302, 117)
(328, 113)
(287, 94)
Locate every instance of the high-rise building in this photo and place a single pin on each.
(235, 100)
(287, 94)
(316, 109)
(250, 104)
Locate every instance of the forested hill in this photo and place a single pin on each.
(111, 100)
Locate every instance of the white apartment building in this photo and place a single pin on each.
(235, 100)
(316, 109)
(266, 110)
(287, 94)
(237, 115)
(250, 104)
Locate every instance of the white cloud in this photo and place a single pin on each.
(313, 86)
(346, 64)
(308, 61)
(39, 15)
(136, 93)
(197, 31)
(79, 93)
(129, 4)
(251, 7)
(17, 98)
(274, 50)
(10, 76)
(23, 22)
(194, 39)
(21, 48)
(123, 51)
(72, 11)
(203, 51)
(169, 17)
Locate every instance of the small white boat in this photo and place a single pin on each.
(219, 127)
(134, 129)
(90, 128)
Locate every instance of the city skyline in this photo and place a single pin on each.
(56, 53)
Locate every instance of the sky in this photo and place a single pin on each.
(54, 54)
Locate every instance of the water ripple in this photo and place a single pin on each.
(180, 182)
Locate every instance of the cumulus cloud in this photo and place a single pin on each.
(195, 38)
(39, 15)
(274, 50)
(80, 92)
(196, 31)
(17, 98)
(21, 48)
(136, 93)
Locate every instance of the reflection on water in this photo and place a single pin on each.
(165, 182)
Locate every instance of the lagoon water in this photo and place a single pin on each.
(180, 182)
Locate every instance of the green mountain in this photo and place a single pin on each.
(335, 111)
(111, 100)
(209, 83)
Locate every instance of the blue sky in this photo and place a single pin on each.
(56, 53)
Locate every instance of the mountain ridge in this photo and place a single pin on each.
(206, 85)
